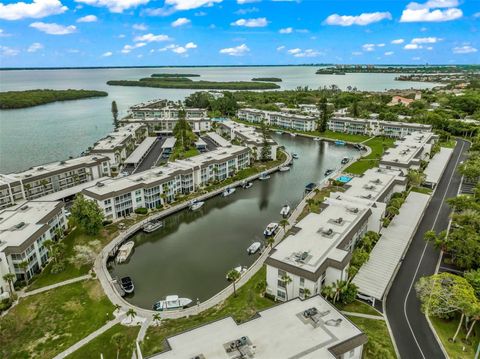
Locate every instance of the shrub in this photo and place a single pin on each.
(107, 222)
(141, 210)
(57, 267)
(359, 257)
(349, 295)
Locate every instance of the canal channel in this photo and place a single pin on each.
(192, 253)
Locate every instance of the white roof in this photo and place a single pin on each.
(58, 196)
(169, 142)
(117, 138)
(219, 140)
(278, 332)
(407, 149)
(141, 150)
(437, 165)
(375, 275)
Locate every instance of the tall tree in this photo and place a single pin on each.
(265, 153)
(9, 278)
(87, 214)
(286, 279)
(233, 276)
(324, 114)
(115, 114)
(118, 340)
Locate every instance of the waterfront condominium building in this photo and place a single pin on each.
(373, 127)
(50, 178)
(247, 136)
(161, 116)
(118, 197)
(310, 328)
(279, 119)
(119, 144)
(23, 231)
(318, 250)
(408, 152)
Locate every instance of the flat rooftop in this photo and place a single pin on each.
(276, 113)
(408, 148)
(219, 140)
(437, 165)
(247, 133)
(117, 138)
(320, 234)
(141, 150)
(278, 332)
(19, 223)
(169, 142)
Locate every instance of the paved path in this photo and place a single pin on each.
(151, 157)
(90, 337)
(412, 333)
(361, 315)
(53, 286)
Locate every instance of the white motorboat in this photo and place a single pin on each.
(246, 185)
(270, 230)
(171, 302)
(124, 251)
(264, 176)
(254, 247)
(285, 211)
(279, 132)
(345, 160)
(228, 192)
(284, 169)
(293, 134)
(152, 226)
(196, 205)
(294, 156)
(239, 269)
(317, 139)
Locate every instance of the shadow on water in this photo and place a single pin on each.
(191, 254)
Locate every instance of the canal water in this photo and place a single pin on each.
(192, 253)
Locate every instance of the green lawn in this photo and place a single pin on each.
(421, 190)
(242, 308)
(358, 307)
(378, 145)
(446, 329)
(379, 343)
(180, 153)
(449, 144)
(46, 324)
(103, 344)
(320, 195)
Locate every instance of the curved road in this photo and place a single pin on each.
(410, 328)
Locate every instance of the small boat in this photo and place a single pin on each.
(246, 185)
(264, 176)
(340, 143)
(295, 156)
(279, 132)
(284, 169)
(124, 251)
(228, 192)
(196, 205)
(317, 139)
(345, 160)
(285, 211)
(127, 285)
(270, 230)
(152, 226)
(171, 302)
(240, 269)
(254, 247)
(328, 172)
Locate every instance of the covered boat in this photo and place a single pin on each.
(228, 192)
(285, 211)
(239, 269)
(171, 302)
(294, 156)
(127, 285)
(264, 176)
(270, 230)
(152, 226)
(246, 184)
(328, 172)
(124, 251)
(254, 247)
(284, 169)
(345, 160)
(196, 205)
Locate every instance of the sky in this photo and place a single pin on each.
(57, 33)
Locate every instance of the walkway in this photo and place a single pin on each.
(53, 286)
(412, 333)
(361, 315)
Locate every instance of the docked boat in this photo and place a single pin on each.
(124, 252)
(284, 169)
(152, 226)
(228, 192)
(239, 269)
(345, 160)
(293, 134)
(264, 176)
(285, 211)
(196, 205)
(328, 172)
(340, 143)
(127, 285)
(270, 230)
(295, 156)
(171, 302)
(279, 132)
(317, 139)
(254, 247)
(246, 184)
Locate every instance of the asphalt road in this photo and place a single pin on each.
(152, 156)
(410, 328)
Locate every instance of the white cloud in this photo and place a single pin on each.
(180, 50)
(8, 51)
(381, 45)
(431, 11)
(152, 38)
(88, 18)
(241, 2)
(258, 22)
(54, 29)
(35, 10)
(307, 53)
(35, 47)
(200, 13)
(398, 41)
(294, 51)
(171, 6)
(121, 36)
(181, 21)
(476, 15)
(357, 53)
(286, 30)
(139, 27)
(368, 47)
(191, 45)
(107, 54)
(245, 11)
(362, 19)
(389, 53)
(116, 6)
(412, 47)
(239, 50)
(127, 48)
(425, 40)
(280, 48)
(465, 49)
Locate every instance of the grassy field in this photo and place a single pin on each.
(446, 329)
(378, 146)
(103, 344)
(379, 343)
(357, 307)
(180, 153)
(449, 144)
(242, 307)
(320, 195)
(46, 324)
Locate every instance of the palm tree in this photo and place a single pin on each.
(115, 113)
(24, 265)
(415, 178)
(28, 187)
(156, 318)
(118, 339)
(9, 278)
(284, 223)
(286, 281)
(233, 276)
(328, 292)
(131, 313)
(270, 241)
(44, 184)
(118, 307)
(392, 211)
(307, 293)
